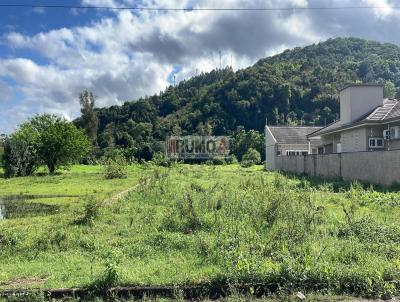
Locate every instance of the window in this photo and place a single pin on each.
(278, 153)
(372, 143)
(296, 152)
(375, 142)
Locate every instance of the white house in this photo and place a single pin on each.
(368, 122)
(289, 141)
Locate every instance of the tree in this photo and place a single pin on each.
(19, 158)
(56, 141)
(89, 118)
(241, 141)
(389, 90)
(251, 157)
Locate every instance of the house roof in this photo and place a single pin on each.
(292, 135)
(390, 110)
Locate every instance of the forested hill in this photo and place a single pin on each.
(298, 86)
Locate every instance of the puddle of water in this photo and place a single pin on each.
(18, 206)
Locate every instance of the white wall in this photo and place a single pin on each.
(270, 149)
(354, 140)
(379, 167)
(356, 101)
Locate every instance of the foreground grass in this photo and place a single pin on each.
(204, 224)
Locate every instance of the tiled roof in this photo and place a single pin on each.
(292, 135)
(381, 114)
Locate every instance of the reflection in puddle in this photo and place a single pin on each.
(18, 206)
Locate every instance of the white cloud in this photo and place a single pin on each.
(124, 55)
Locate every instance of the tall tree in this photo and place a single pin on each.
(89, 115)
(57, 141)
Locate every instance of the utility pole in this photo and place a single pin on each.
(220, 61)
(174, 81)
(231, 63)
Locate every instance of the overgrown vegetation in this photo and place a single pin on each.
(214, 225)
(114, 165)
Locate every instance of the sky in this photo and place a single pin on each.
(49, 55)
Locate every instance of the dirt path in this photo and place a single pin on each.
(119, 195)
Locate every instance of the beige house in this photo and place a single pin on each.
(289, 141)
(368, 122)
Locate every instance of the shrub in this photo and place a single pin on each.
(218, 161)
(91, 211)
(115, 166)
(20, 157)
(252, 155)
(246, 163)
(231, 159)
(160, 159)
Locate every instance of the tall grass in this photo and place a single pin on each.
(218, 225)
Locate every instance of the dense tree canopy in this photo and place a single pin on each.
(297, 87)
(44, 139)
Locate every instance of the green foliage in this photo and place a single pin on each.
(207, 225)
(20, 157)
(252, 156)
(89, 120)
(297, 87)
(90, 213)
(115, 165)
(45, 139)
(218, 160)
(160, 159)
(241, 141)
(231, 159)
(59, 143)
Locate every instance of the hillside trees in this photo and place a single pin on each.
(298, 87)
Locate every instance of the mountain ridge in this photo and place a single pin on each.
(296, 87)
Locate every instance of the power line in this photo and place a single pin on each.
(143, 8)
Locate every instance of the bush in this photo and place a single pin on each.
(246, 163)
(251, 157)
(218, 161)
(19, 158)
(231, 159)
(159, 159)
(115, 166)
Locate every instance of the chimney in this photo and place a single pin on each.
(359, 99)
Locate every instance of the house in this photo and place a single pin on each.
(289, 141)
(368, 122)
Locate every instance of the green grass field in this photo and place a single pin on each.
(194, 224)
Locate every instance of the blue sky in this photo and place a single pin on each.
(47, 56)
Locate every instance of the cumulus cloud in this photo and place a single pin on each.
(122, 55)
(5, 92)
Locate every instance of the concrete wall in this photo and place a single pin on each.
(270, 150)
(379, 167)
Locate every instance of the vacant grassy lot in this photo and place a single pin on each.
(203, 224)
